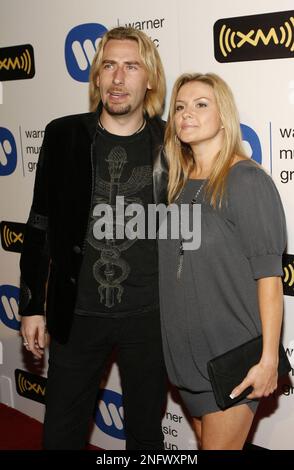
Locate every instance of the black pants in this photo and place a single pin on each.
(75, 371)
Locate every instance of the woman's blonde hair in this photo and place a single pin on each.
(154, 98)
(180, 156)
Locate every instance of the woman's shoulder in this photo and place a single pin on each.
(248, 181)
(247, 171)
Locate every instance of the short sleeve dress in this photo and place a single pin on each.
(213, 307)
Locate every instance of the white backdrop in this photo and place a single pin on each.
(62, 35)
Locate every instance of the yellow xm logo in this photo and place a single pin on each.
(17, 62)
(288, 277)
(12, 235)
(256, 37)
(30, 386)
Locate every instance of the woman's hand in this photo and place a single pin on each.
(263, 377)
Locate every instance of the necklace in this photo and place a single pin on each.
(181, 248)
(137, 131)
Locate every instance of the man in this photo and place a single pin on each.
(102, 293)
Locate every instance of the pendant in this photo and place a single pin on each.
(181, 261)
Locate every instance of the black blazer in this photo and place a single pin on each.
(56, 229)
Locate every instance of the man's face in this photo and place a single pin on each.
(122, 78)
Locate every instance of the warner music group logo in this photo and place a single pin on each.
(109, 414)
(249, 135)
(254, 37)
(30, 386)
(80, 46)
(9, 298)
(12, 235)
(8, 152)
(17, 62)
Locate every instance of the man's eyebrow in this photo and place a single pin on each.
(127, 62)
(132, 62)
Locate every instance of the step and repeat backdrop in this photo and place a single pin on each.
(46, 48)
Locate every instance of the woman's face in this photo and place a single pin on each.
(197, 117)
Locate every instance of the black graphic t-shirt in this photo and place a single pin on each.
(119, 273)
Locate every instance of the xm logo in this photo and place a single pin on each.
(8, 153)
(9, 296)
(288, 278)
(80, 46)
(109, 414)
(30, 386)
(251, 138)
(12, 236)
(255, 37)
(17, 62)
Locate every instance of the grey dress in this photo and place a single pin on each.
(214, 305)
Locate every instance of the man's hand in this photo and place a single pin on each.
(33, 333)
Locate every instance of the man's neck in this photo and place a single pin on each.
(121, 125)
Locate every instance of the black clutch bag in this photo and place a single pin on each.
(229, 369)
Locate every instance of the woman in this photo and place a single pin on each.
(229, 290)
